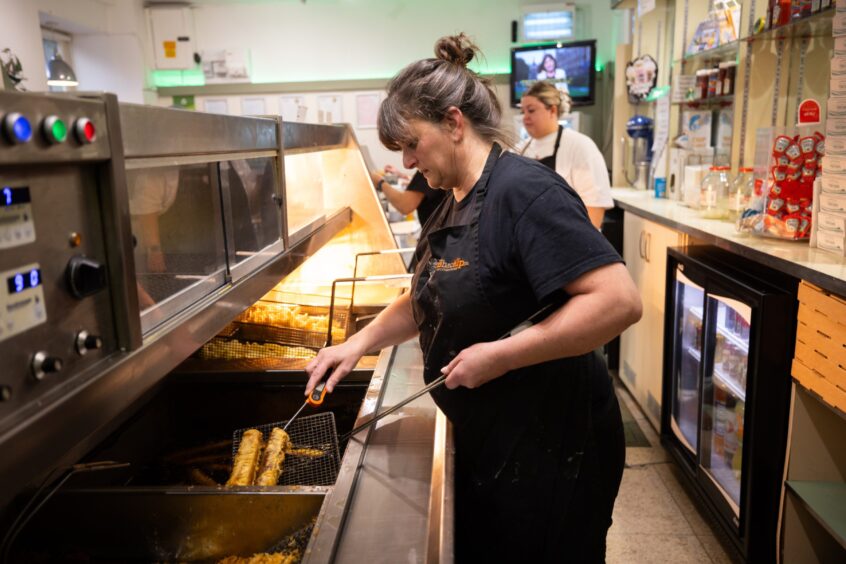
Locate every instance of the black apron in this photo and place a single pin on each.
(549, 160)
(520, 437)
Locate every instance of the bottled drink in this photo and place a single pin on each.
(714, 193)
(720, 420)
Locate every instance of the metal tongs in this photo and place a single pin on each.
(441, 379)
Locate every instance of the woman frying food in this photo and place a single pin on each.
(538, 435)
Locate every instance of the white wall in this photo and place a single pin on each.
(108, 48)
(359, 39)
(351, 39)
(21, 32)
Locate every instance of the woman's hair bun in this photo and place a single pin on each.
(457, 49)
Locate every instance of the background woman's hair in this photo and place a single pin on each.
(426, 89)
(550, 96)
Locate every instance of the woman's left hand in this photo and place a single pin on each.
(474, 366)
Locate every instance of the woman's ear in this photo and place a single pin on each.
(454, 123)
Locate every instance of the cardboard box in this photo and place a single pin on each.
(697, 126)
(833, 202)
(833, 183)
(831, 221)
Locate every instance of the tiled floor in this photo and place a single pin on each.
(655, 519)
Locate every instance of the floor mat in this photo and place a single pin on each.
(634, 435)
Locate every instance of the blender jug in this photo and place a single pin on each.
(639, 130)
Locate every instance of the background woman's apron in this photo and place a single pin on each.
(519, 438)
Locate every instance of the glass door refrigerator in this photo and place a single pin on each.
(729, 335)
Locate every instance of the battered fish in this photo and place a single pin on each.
(247, 458)
(274, 456)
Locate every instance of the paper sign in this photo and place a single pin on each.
(169, 49)
(367, 109)
(662, 122)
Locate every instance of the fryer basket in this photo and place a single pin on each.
(309, 432)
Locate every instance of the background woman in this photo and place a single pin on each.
(538, 435)
(571, 154)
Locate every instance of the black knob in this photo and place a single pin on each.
(86, 342)
(86, 277)
(43, 364)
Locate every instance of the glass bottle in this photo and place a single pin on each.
(741, 191)
(714, 193)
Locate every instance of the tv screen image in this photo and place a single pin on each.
(569, 66)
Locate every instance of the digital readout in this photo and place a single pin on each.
(13, 196)
(24, 281)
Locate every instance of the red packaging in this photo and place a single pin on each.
(792, 206)
(794, 166)
(805, 205)
(795, 174)
(808, 146)
(821, 147)
(805, 227)
(759, 186)
(775, 206)
(792, 224)
(782, 160)
(809, 173)
(811, 163)
(780, 173)
(793, 152)
(780, 145)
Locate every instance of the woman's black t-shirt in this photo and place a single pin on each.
(535, 236)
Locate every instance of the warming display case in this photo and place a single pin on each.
(729, 332)
(208, 297)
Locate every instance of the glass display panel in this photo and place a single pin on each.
(726, 394)
(305, 178)
(250, 185)
(177, 231)
(688, 311)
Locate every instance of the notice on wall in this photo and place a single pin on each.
(662, 123)
(216, 106)
(226, 65)
(330, 108)
(683, 88)
(293, 108)
(367, 108)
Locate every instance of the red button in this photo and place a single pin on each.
(85, 131)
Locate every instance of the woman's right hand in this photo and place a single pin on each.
(338, 361)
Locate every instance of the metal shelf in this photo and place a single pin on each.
(730, 383)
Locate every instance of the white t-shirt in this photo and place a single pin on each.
(578, 161)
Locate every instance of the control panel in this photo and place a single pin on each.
(56, 313)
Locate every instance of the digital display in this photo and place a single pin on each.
(12, 196)
(570, 67)
(24, 281)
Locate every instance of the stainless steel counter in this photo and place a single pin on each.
(796, 258)
(393, 499)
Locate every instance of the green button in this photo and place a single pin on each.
(59, 131)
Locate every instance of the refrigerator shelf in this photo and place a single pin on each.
(731, 336)
(729, 382)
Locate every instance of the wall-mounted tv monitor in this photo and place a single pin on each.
(569, 66)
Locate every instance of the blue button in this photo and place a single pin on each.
(22, 129)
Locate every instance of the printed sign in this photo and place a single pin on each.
(809, 112)
(169, 49)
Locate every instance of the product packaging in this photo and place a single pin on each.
(784, 190)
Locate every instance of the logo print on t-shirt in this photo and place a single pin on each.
(444, 266)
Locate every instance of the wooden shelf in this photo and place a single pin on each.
(827, 503)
